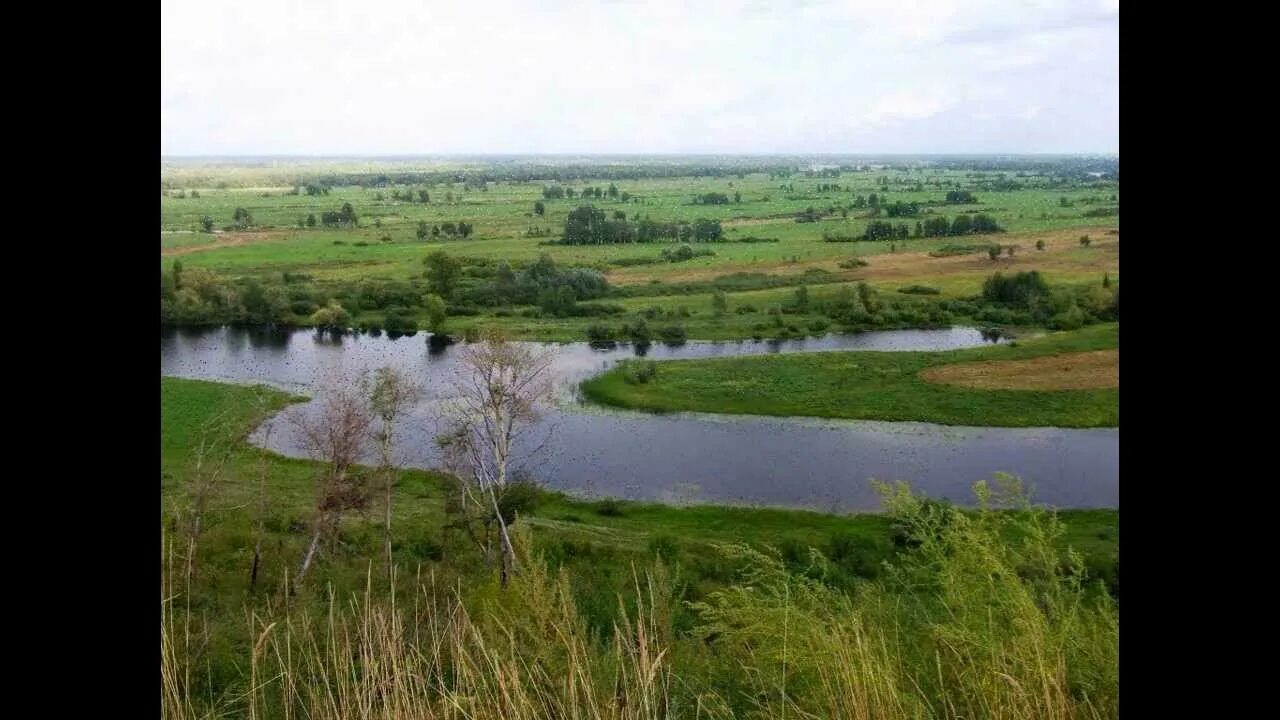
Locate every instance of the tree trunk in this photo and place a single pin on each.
(390, 480)
(311, 552)
(257, 557)
(508, 555)
(387, 529)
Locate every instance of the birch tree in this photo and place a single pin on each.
(337, 435)
(391, 393)
(500, 386)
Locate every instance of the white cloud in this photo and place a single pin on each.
(407, 76)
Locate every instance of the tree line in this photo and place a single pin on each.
(589, 225)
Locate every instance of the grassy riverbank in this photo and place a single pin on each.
(877, 385)
(300, 647)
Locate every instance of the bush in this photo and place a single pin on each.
(400, 320)
(638, 333)
(673, 334)
(609, 508)
(1071, 319)
(853, 263)
(597, 333)
(637, 371)
(664, 546)
(518, 498)
(918, 290)
(1018, 290)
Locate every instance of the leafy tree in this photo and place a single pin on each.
(1020, 289)
(994, 251)
(1040, 245)
(423, 196)
(423, 230)
(206, 222)
(242, 218)
(802, 298)
(442, 273)
(311, 220)
(539, 209)
(1084, 241)
(719, 303)
(1106, 280)
(435, 308)
(331, 317)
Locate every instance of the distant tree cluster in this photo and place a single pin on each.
(901, 209)
(557, 192)
(588, 225)
(346, 217)
(879, 230)
(411, 196)
(712, 198)
(962, 225)
(451, 230)
(961, 197)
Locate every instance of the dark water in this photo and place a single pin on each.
(794, 462)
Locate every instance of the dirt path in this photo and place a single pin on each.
(230, 239)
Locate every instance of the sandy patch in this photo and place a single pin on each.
(1068, 371)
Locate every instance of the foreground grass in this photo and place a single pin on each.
(616, 635)
(869, 386)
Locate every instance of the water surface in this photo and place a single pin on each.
(687, 457)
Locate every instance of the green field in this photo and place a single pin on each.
(335, 266)
(601, 545)
(868, 386)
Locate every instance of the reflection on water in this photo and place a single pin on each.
(682, 458)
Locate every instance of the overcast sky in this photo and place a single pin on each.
(647, 76)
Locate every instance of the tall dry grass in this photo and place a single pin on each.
(982, 618)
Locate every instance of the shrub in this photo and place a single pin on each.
(918, 290)
(673, 334)
(1071, 319)
(636, 371)
(1018, 289)
(609, 508)
(638, 333)
(597, 333)
(399, 320)
(664, 546)
(853, 263)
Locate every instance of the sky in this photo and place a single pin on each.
(423, 77)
